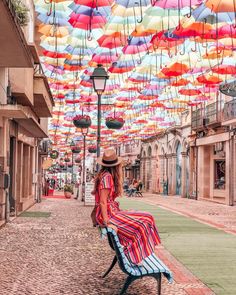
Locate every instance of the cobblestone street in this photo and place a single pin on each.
(63, 254)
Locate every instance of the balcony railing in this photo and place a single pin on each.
(229, 112)
(209, 115)
(38, 70)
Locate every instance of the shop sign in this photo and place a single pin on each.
(47, 163)
(89, 198)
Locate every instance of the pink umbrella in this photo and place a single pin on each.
(134, 49)
(177, 4)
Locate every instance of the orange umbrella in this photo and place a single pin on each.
(176, 69)
(221, 5)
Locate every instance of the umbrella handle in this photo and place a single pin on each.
(89, 36)
(139, 21)
(190, 6)
(195, 48)
(182, 53)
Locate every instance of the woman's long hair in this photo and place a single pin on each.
(116, 172)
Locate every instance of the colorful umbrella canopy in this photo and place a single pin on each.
(162, 57)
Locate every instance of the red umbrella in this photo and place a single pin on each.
(224, 70)
(190, 92)
(113, 40)
(94, 21)
(177, 69)
(53, 54)
(180, 82)
(94, 4)
(209, 79)
(134, 49)
(120, 70)
(103, 59)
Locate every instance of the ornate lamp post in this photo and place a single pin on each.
(84, 132)
(99, 78)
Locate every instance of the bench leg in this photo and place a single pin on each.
(111, 267)
(139, 194)
(159, 285)
(128, 281)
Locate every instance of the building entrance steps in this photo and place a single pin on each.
(218, 215)
(63, 254)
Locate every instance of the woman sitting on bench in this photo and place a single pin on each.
(136, 230)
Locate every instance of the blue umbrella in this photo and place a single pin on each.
(204, 14)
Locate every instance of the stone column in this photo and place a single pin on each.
(161, 172)
(19, 177)
(192, 171)
(4, 162)
(172, 174)
(184, 175)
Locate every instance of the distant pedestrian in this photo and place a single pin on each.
(77, 186)
(47, 186)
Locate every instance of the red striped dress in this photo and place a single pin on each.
(137, 231)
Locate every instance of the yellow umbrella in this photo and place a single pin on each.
(52, 30)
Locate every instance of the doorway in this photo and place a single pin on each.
(12, 200)
(178, 169)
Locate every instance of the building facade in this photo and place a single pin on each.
(25, 105)
(164, 165)
(130, 153)
(213, 161)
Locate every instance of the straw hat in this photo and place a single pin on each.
(109, 158)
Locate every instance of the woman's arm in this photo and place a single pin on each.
(103, 205)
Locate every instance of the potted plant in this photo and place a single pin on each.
(75, 149)
(21, 11)
(114, 122)
(54, 154)
(68, 190)
(67, 160)
(92, 149)
(78, 160)
(82, 121)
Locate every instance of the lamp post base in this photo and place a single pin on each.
(83, 192)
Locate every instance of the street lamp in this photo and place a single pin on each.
(84, 132)
(99, 78)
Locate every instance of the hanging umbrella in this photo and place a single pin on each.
(114, 40)
(221, 5)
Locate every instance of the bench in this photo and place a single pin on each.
(151, 266)
(138, 191)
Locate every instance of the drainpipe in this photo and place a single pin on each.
(167, 169)
(196, 181)
(232, 133)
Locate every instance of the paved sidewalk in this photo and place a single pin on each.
(220, 216)
(63, 254)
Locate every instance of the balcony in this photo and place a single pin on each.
(209, 116)
(43, 101)
(21, 81)
(14, 48)
(229, 113)
(26, 119)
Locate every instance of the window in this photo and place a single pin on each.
(219, 174)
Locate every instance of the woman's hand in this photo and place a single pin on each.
(105, 224)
